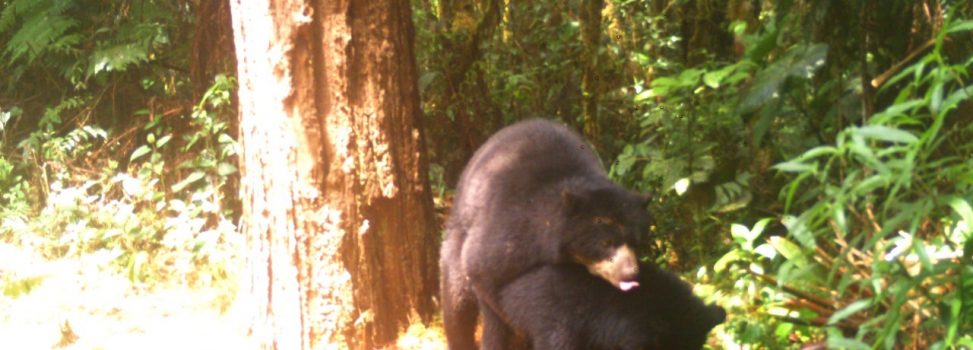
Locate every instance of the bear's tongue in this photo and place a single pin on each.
(627, 285)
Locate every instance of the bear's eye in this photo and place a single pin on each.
(601, 220)
(607, 243)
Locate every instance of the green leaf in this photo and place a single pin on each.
(645, 95)
(799, 61)
(713, 79)
(740, 233)
(689, 77)
(139, 152)
(839, 342)
(763, 124)
(957, 96)
(794, 167)
(960, 27)
(759, 227)
(195, 176)
(664, 83)
(766, 250)
(117, 58)
(163, 140)
(936, 100)
(885, 133)
(963, 209)
(849, 310)
(426, 79)
(226, 169)
(788, 249)
(725, 260)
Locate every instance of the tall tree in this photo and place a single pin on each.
(590, 42)
(336, 204)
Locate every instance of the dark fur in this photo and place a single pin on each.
(528, 197)
(564, 307)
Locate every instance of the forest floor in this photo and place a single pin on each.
(84, 303)
(79, 303)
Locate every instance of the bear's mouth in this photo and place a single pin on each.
(628, 285)
(621, 269)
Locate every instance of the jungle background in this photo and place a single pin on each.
(811, 162)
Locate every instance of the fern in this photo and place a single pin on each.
(117, 58)
(44, 28)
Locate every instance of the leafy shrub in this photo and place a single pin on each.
(877, 247)
(154, 232)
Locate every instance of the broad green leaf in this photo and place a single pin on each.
(139, 152)
(713, 79)
(163, 140)
(689, 77)
(740, 233)
(785, 247)
(664, 83)
(727, 258)
(766, 250)
(797, 227)
(195, 176)
(963, 209)
(759, 227)
(645, 95)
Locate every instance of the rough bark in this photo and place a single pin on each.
(337, 209)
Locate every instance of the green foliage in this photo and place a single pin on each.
(94, 93)
(152, 232)
(71, 40)
(782, 136)
(877, 248)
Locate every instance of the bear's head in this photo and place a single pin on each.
(601, 227)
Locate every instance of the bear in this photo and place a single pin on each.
(535, 193)
(564, 307)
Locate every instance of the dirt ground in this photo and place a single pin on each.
(76, 304)
(80, 304)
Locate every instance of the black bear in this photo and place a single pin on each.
(533, 194)
(564, 307)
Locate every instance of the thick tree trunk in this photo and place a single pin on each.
(336, 204)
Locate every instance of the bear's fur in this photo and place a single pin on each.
(533, 194)
(564, 307)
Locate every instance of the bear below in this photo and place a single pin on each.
(533, 194)
(564, 307)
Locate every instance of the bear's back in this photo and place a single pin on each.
(525, 158)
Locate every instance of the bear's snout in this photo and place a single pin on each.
(621, 268)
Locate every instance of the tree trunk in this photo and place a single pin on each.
(590, 42)
(336, 203)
